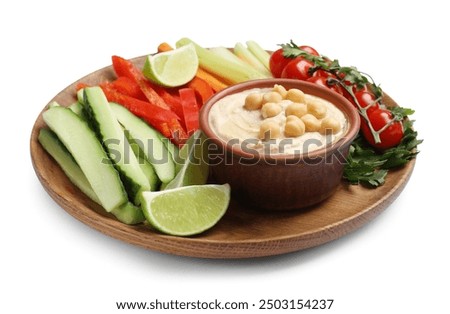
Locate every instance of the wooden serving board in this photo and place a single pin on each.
(243, 232)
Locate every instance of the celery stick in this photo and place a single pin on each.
(244, 54)
(229, 71)
(259, 53)
(226, 53)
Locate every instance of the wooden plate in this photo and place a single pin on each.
(243, 232)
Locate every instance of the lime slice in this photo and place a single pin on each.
(172, 68)
(187, 210)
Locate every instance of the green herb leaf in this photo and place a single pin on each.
(369, 167)
(400, 113)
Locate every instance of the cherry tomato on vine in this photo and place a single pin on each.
(298, 68)
(277, 62)
(323, 81)
(379, 118)
(309, 50)
(366, 99)
(322, 73)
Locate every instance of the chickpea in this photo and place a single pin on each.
(295, 95)
(317, 109)
(296, 109)
(291, 118)
(330, 125)
(253, 101)
(294, 127)
(280, 90)
(269, 130)
(271, 109)
(312, 124)
(272, 97)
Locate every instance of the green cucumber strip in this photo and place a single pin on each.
(105, 124)
(80, 95)
(172, 148)
(77, 108)
(129, 214)
(145, 165)
(53, 104)
(194, 168)
(149, 140)
(89, 154)
(61, 155)
(126, 213)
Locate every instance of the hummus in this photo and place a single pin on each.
(236, 125)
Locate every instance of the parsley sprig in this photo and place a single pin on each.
(368, 167)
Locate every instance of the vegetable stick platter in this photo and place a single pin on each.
(243, 232)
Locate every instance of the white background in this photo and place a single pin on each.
(52, 263)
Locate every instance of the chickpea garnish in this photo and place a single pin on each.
(312, 124)
(272, 97)
(295, 95)
(253, 101)
(269, 130)
(280, 90)
(294, 126)
(330, 125)
(296, 109)
(317, 109)
(271, 109)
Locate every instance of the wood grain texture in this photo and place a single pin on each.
(243, 232)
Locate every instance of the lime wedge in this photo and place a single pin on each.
(187, 210)
(172, 68)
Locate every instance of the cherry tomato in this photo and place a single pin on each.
(323, 81)
(298, 68)
(277, 62)
(379, 118)
(309, 50)
(366, 99)
(322, 73)
(355, 89)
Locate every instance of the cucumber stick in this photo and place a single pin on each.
(77, 107)
(145, 165)
(193, 169)
(58, 151)
(105, 124)
(126, 213)
(89, 154)
(149, 141)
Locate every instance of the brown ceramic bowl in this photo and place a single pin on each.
(280, 182)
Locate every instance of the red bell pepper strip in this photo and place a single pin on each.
(190, 109)
(171, 100)
(202, 90)
(163, 120)
(126, 68)
(128, 87)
